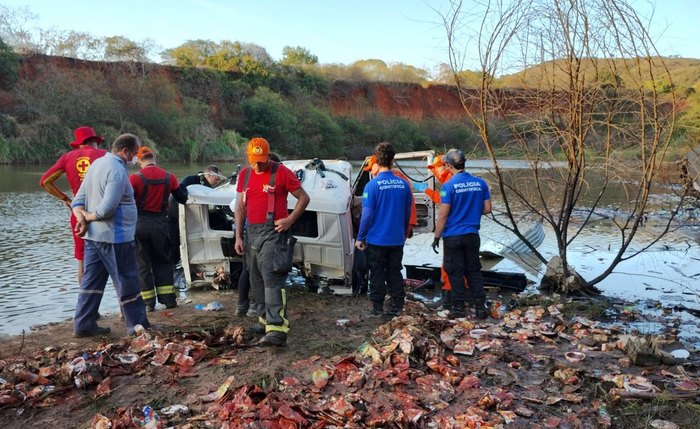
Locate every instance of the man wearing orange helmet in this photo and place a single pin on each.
(261, 206)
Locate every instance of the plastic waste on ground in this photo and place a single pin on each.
(212, 306)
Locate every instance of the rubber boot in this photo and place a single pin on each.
(457, 311)
(377, 309)
(446, 298)
(469, 298)
(481, 309)
(273, 339)
(395, 309)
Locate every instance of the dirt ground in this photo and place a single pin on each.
(341, 369)
(314, 331)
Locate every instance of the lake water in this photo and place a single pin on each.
(38, 272)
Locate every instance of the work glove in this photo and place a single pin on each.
(436, 244)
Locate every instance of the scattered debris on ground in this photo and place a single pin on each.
(537, 366)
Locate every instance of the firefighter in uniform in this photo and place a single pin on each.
(152, 187)
(261, 205)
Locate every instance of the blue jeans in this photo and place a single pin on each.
(118, 261)
(462, 260)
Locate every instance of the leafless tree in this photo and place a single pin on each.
(14, 28)
(592, 102)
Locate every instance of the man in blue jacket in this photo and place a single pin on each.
(463, 200)
(106, 214)
(384, 226)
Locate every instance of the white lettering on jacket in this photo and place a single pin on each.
(391, 184)
(467, 187)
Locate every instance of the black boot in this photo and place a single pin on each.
(481, 309)
(469, 298)
(446, 298)
(395, 309)
(377, 309)
(457, 311)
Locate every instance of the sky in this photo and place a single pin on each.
(336, 31)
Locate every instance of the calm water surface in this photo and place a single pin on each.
(38, 273)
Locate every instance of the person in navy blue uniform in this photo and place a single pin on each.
(384, 226)
(463, 200)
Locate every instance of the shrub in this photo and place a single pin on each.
(46, 138)
(268, 115)
(57, 93)
(9, 66)
(318, 133)
(8, 126)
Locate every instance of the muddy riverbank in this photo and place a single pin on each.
(546, 363)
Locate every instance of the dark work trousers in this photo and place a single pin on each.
(385, 275)
(267, 286)
(244, 292)
(244, 289)
(174, 235)
(153, 255)
(462, 260)
(118, 261)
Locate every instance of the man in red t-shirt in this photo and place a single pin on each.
(74, 164)
(261, 206)
(152, 187)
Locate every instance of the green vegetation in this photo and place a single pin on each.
(198, 114)
(9, 64)
(212, 96)
(639, 414)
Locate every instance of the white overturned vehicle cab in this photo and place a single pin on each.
(324, 250)
(325, 233)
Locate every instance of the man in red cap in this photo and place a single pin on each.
(74, 164)
(261, 205)
(152, 188)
